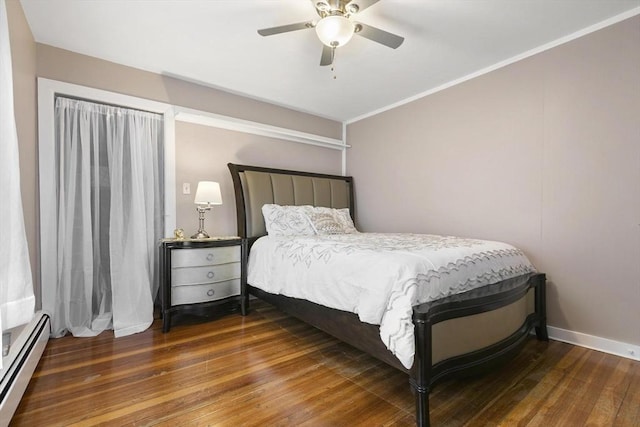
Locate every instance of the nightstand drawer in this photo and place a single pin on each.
(207, 292)
(205, 256)
(208, 274)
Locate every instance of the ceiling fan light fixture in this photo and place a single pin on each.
(335, 30)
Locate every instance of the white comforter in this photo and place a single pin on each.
(380, 276)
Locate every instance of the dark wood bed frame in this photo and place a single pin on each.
(346, 326)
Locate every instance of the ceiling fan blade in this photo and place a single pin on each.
(378, 35)
(327, 56)
(361, 4)
(285, 28)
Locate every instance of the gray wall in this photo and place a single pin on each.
(544, 154)
(204, 154)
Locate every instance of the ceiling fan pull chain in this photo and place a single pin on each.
(333, 61)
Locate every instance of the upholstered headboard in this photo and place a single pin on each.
(256, 186)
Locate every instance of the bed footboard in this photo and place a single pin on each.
(491, 325)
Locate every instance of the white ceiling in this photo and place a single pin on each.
(215, 43)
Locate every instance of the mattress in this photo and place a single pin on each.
(381, 276)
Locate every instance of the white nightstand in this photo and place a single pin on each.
(196, 276)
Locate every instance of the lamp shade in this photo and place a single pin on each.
(335, 30)
(208, 193)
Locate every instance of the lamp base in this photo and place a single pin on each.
(201, 234)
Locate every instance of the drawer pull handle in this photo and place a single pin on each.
(210, 274)
(209, 257)
(210, 292)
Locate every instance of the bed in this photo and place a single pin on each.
(460, 334)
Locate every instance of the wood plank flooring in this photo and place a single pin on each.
(268, 369)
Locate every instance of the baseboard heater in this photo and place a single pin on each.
(22, 347)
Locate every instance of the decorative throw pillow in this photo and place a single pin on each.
(345, 219)
(325, 223)
(331, 221)
(287, 220)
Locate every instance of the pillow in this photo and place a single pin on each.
(287, 220)
(331, 221)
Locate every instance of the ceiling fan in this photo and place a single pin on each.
(335, 27)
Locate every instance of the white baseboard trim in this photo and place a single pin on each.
(626, 350)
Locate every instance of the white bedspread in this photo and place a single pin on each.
(380, 276)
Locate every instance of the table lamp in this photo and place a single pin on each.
(207, 194)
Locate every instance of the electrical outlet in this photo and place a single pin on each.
(186, 188)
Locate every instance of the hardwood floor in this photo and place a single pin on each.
(269, 369)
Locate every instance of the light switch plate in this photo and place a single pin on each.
(186, 188)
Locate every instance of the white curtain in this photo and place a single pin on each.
(16, 287)
(110, 213)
